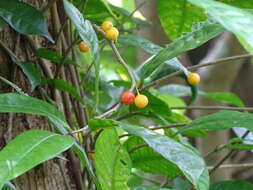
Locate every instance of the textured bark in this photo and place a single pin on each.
(54, 174)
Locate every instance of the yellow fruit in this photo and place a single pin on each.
(141, 101)
(112, 34)
(106, 25)
(193, 78)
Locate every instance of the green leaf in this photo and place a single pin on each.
(31, 72)
(201, 33)
(222, 120)
(187, 160)
(112, 162)
(238, 146)
(240, 3)
(133, 40)
(52, 56)
(142, 187)
(235, 20)
(9, 186)
(16, 103)
(24, 18)
(96, 123)
(155, 105)
(232, 185)
(41, 146)
(177, 17)
(147, 160)
(175, 90)
(88, 35)
(225, 97)
(64, 86)
(2, 24)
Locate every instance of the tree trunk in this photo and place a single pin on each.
(56, 174)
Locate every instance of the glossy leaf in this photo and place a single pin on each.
(96, 123)
(155, 105)
(42, 146)
(15, 103)
(187, 160)
(232, 185)
(177, 17)
(226, 97)
(175, 90)
(222, 120)
(112, 162)
(24, 18)
(52, 56)
(201, 33)
(235, 20)
(147, 160)
(64, 86)
(88, 35)
(133, 40)
(9, 186)
(31, 72)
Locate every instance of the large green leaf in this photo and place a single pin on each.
(88, 35)
(16, 103)
(24, 18)
(201, 33)
(187, 160)
(32, 73)
(222, 120)
(112, 162)
(22, 154)
(226, 97)
(177, 17)
(236, 20)
(232, 185)
(24, 104)
(147, 160)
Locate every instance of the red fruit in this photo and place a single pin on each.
(127, 98)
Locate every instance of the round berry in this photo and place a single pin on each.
(106, 25)
(141, 101)
(127, 98)
(112, 34)
(193, 78)
(83, 47)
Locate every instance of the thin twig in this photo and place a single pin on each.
(137, 147)
(65, 56)
(119, 58)
(228, 155)
(214, 108)
(245, 165)
(191, 68)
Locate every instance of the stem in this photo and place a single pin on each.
(137, 147)
(119, 58)
(245, 165)
(65, 57)
(218, 61)
(214, 108)
(229, 154)
(48, 6)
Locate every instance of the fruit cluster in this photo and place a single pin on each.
(111, 32)
(129, 98)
